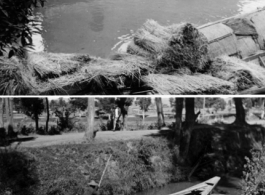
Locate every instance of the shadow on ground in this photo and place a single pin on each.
(18, 172)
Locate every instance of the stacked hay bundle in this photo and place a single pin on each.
(171, 47)
(166, 60)
(187, 84)
(243, 74)
(53, 74)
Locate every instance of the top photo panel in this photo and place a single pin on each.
(132, 47)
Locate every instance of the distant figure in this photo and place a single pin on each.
(92, 189)
(115, 117)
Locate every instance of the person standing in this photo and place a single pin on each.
(116, 115)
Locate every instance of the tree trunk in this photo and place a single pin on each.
(160, 113)
(190, 114)
(48, 115)
(240, 112)
(89, 134)
(143, 117)
(187, 129)
(1, 112)
(9, 111)
(124, 122)
(36, 122)
(178, 117)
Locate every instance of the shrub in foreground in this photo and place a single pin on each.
(253, 180)
(133, 167)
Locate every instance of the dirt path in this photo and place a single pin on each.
(72, 138)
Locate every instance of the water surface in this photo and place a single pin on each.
(228, 186)
(93, 26)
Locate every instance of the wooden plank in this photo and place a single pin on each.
(255, 56)
(253, 91)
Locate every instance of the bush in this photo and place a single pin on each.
(254, 173)
(18, 173)
(133, 167)
(53, 131)
(79, 127)
(41, 130)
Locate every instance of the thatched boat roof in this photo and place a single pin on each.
(177, 59)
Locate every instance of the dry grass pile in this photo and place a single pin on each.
(187, 84)
(71, 74)
(171, 47)
(50, 65)
(100, 76)
(243, 74)
(15, 79)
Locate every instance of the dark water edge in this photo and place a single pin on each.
(229, 185)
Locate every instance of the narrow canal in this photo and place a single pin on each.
(225, 186)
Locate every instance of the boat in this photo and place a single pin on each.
(204, 188)
(241, 37)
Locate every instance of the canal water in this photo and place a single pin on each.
(229, 187)
(94, 26)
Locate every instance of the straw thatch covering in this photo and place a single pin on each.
(171, 47)
(241, 26)
(257, 20)
(80, 74)
(247, 46)
(243, 74)
(221, 40)
(176, 59)
(187, 84)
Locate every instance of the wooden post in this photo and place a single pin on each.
(89, 134)
(1, 112)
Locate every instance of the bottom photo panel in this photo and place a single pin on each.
(134, 145)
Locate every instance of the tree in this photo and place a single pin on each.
(9, 114)
(160, 113)
(1, 112)
(48, 114)
(90, 134)
(33, 107)
(106, 104)
(190, 119)
(172, 102)
(123, 104)
(219, 104)
(78, 104)
(144, 104)
(178, 117)
(240, 112)
(17, 23)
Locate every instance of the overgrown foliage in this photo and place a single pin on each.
(253, 180)
(67, 169)
(17, 23)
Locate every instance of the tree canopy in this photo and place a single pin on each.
(143, 103)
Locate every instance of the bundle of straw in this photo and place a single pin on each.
(243, 74)
(187, 84)
(171, 47)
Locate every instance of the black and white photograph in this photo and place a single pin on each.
(133, 47)
(138, 146)
(132, 97)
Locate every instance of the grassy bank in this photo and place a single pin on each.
(67, 169)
